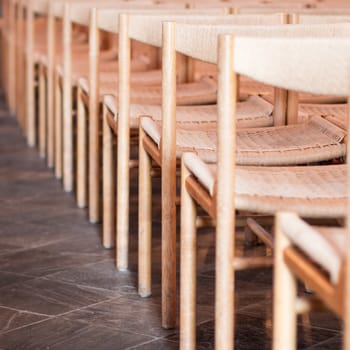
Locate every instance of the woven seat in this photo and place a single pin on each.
(314, 141)
(109, 80)
(335, 113)
(255, 111)
(252, 87)
(200, 92)
(312, 99)
(317, 191)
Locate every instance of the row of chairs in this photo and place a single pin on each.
(139, 75)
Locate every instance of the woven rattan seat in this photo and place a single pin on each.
(254, 112)
(335, 113)
(200, 92)
(317, 191)
(109, 80)
(252, 87)
(313, 99)
(80, 66)
(314, 141)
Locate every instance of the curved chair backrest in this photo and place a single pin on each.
(320, 18)
(258, 50)
(148, 29)
(292, 8)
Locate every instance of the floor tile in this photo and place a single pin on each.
(61, 334)
(142, 316)
(335, 343)
(100, 275)
(11, 319)
(252, 333)
(7, 278)
(50, 297)
(53, 258)
(157, 345)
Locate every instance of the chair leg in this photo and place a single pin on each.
(108, 184)
(145, 220)
(50, 121)
(94, 158)
(168, 244)
(42, 115)
(67, 137)
(30, 103)
(187, 267)
(58, 129)
(123, 187)
(284, 330)
(81, 152)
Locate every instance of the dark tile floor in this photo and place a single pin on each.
(59, 288)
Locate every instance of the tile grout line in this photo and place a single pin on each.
(321, 342)
(27, 325)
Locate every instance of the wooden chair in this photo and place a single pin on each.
(318, 257)
(256, 146)
(90, 93)
(113, 115)
(69, 79)
(41, 35)
(64, 82)
(126, 124)
(222, 189)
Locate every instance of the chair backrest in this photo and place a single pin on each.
(149, 29)
(320, 18)
(292, 8)
(254, 45)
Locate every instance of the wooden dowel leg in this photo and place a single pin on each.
(168, 158)
(280, 107)
(145, 220)
(50, 89)
(187, 267)
(108, 185)
(81, 152)
(42, 115)
(123, 171)
(225, 209)
(67, 121)
(58, 129)
(94, 122)
(284, 321)
(30, 104)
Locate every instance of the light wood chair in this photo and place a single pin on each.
(222, 189)
(69, 75)
(316, 256)
(141, 95)
(90, 93)
(65, 79)
(139, 27)
(91, 179)
(257, 146)
(43, 45)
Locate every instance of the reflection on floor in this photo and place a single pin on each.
(59, 288)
